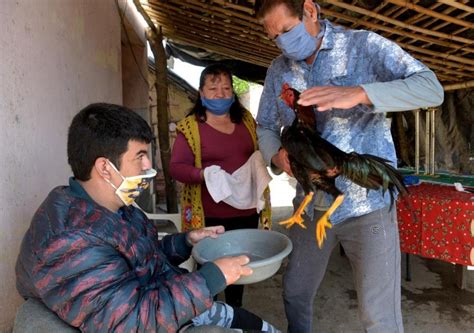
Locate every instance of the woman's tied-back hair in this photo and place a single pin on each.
(236, 111)
(295, 7)
(103, 130)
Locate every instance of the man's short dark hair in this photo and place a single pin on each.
(236, 111)
(295, 7)
(103, 130)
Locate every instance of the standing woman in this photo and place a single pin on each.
(217, 131)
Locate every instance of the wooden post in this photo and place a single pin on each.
(155, 38)
(417, 141)
(161, 87)
(432, 111)
(402, 140)
(427, 142)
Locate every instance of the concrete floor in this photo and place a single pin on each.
(430, 302)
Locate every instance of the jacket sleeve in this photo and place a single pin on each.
(91, 286)
(176, 248)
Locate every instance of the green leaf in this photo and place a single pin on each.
(240, 86)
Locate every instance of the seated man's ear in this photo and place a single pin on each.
(102, 168)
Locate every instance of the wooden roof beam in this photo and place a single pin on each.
(432, 13)
(458, 5)
(401, 24)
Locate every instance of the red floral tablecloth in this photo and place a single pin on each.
(436, 221)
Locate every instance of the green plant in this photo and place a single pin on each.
(240, 86)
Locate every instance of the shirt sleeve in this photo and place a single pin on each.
(269, 143)
(182, 162)
(421, 89)
(402, 82)
(90, 286)
(268, 120)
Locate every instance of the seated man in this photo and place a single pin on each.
(96, 261)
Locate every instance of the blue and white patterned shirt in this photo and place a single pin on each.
(393, 81)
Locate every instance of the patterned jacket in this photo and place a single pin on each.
(103, 271)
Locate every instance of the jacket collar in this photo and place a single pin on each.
(77, 190)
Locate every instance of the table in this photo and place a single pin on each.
(436, 221)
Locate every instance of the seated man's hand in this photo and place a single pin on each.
(195, 236)
(233, 267)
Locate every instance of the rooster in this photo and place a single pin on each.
(316, 163)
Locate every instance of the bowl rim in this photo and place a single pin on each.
(261, 262)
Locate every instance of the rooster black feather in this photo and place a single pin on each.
(316, 163)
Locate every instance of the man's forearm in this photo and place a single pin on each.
(269, 143)
(419, 90)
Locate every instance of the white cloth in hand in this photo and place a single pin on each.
(243, 189)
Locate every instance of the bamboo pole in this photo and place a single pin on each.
(417, 141)
(427, 142)
(456, 86)
(422, 10)
(458, 5)
(363, 11)
(185, 8)
(202, 23)
(432, 111)
(216, 47)
(228, 4)
(375, 26)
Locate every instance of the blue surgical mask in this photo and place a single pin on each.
(298, 44)
(217, 106)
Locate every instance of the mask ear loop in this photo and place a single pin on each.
(318, 8)
(115, 168)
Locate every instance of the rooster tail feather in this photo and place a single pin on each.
(373, 172)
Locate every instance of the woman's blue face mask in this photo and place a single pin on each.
(217, 106)
(298, 44)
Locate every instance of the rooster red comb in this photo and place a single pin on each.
(288, 95)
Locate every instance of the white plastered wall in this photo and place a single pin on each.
(56, 56)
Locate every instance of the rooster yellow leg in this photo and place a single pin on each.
(296, 218)
(324, 223)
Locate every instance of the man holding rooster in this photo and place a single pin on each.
(351, 77)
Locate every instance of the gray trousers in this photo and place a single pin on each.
(371, 243)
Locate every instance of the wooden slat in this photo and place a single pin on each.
(458, 5)
(437, 33)
(374, 26)
(456, 86)
(399, 23)
(422, 10)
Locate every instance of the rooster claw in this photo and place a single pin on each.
(293, 220)
(321, 226)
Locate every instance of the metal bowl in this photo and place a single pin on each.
(266, 250)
